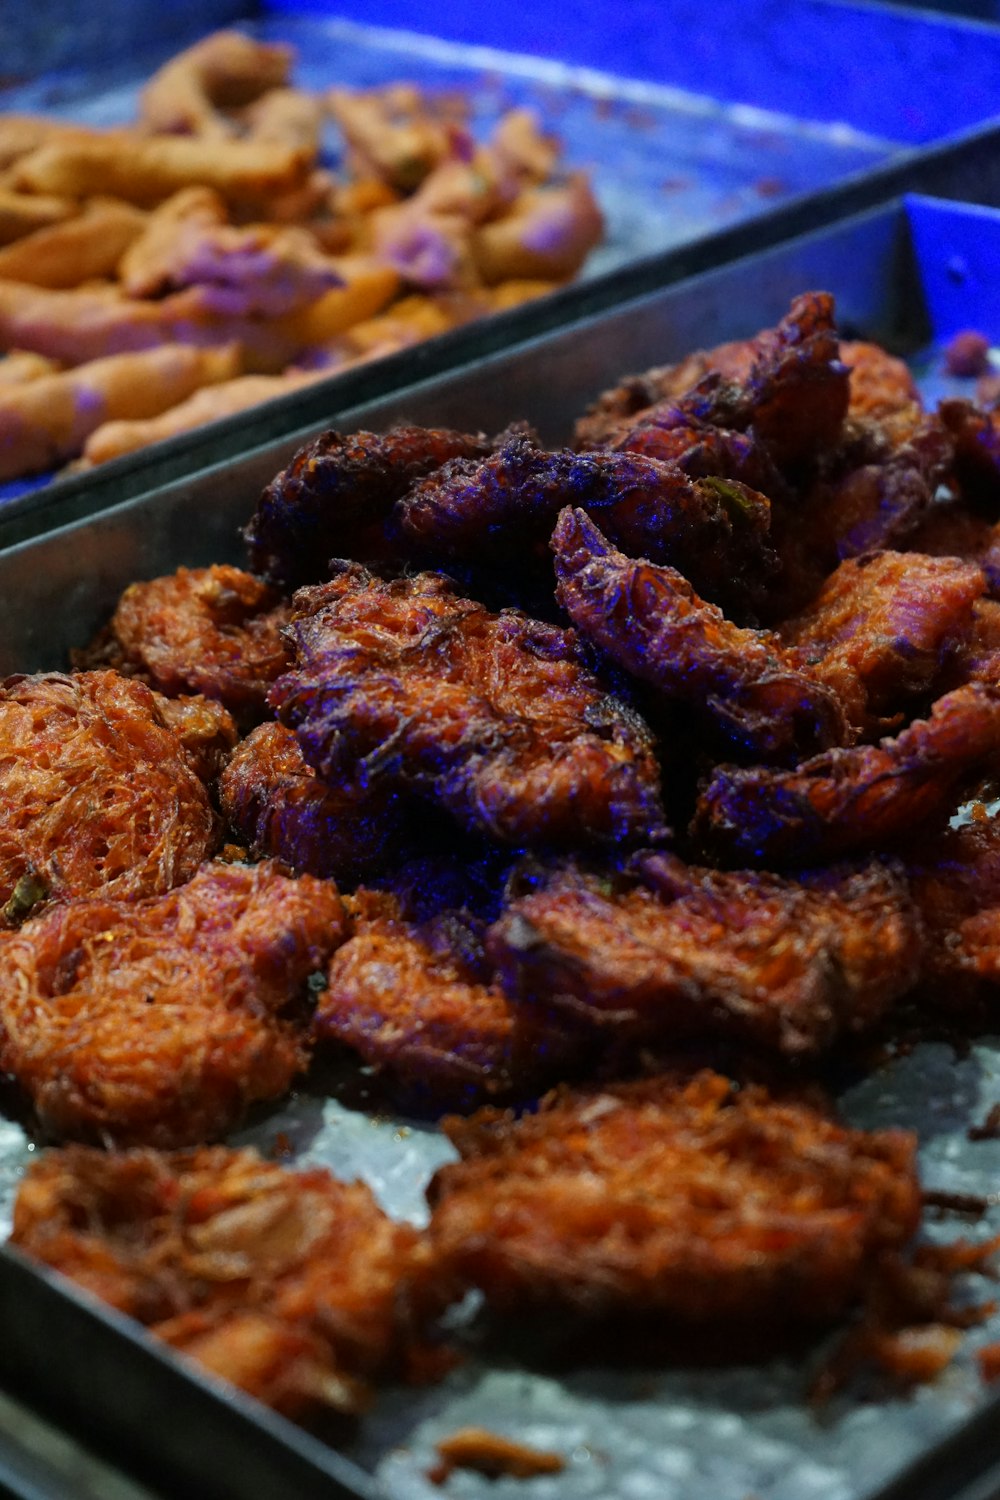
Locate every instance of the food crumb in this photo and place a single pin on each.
(968, 353)
(490, 1454)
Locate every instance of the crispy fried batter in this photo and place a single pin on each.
(651, 621)
(290, 1284)
(954, 871)
(96, 792)
(790, 964)
(858, 798)
(159, 1020)
(976, 436)
(695, 1203)
(881, 384)
(222, 71)
(334, 496)
(668, 432)
(278, 806)
(205, 729)
(494, 717)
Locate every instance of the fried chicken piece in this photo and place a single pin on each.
(278, 806)
(696, 1203)
(494, 717)
(857, 798)
(481, 510)
(421, 1003)
(789, 964)
(336, 493)
(650, 620)
(96, 792)
(159, 1020)
(292, 1285)
(223, 71)
(881, 384)
(216, 631)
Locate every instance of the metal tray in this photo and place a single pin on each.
(909, 274)
(704, 133)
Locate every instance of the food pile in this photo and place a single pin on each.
(641, 779)
(156, 276)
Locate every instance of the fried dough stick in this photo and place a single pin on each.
(226, 70)
(46, 421)
(292, 1285)
(858, 798)
(83, 248)
(97, 793)
(158, 1021)
(788, 964)
(695, 1204)
(393, 133)
(495, 718)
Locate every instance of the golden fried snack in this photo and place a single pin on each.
(292, 1285)
(96, 792)
(787, 964)
(43, 422)
(695, 1203)
(420, 1003)
(520, 148)
(366, 287)
(146, 266)
(277, 805)
(22, 134)
(25, 213)
(159, 1020)
(289, 116)
(427, 248)
(547, 232)
(493, 717)
(80, 249)
(392, 133)
(226, 70)
(22, 365)
(858, 798)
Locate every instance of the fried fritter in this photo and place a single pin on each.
(976, 435)
(671, 434)
(292, 1285)
(504, 507)
(337, 492)
(954, 870)
(278, 806)
(215, 631)
(207, 732)
(493, 717)
(788, 963)
(881, 385)
(422, 1004)
(96, 792)
(158, 1021)
(651, 621)
(857, 798)
(695, 1203)
(952, 530)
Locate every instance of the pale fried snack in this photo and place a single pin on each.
(287, 115)
(548, 233)
(83, 248)
(393, 133)
(22, 365)
(223, 71)
(292, 1285)
(159, 1020)
(24, 213)
(695, 1203)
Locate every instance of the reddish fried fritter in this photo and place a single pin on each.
(159, 1020)
(292, 1285)
(650, 620)
(976, 435)
(954, 872)
(881, 385)
(952, 530)
(696, 1203)
(206, 731)
(214, 631)
(669, 433)
(494, 717)
(96, 792)
(421, 1003)
(278, 806)
(858, 798)
(337, 492)
(504, 507)
(791, 964)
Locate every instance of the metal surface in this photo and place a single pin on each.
(625, 1434)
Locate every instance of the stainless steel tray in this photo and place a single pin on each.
(665, 1434)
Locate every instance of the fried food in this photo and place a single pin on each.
(695, 1203)
(954, 870)
(223, 71)
(548, 232)
(493, 717)
(216, 631)
(881, 385)
(976, 436)
(278, 806)
(96, 792)
(22, 365)
(292, 1285)
(159, 1020)
(650, 620)
(25, 213)
(205, 730)
(335, 495)
(857, 798)
(289, 116)
(83, 248)
(394, 133)
(788, 964)
(46, 421)
(420, 1003)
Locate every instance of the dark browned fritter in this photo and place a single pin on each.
(697, 1202)
(494, 717)
(788, 963)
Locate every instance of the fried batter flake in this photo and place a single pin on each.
(159, 1020)
(96, 792)
(790, 964)
(291, 1285)
(696, 1203)
(493, 716)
